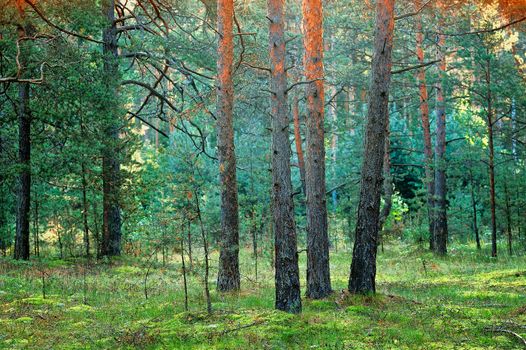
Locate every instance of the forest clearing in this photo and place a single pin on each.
(262, 174)
(464, 301)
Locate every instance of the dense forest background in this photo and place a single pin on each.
(189, 132)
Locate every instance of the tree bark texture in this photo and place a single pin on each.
(288, 297)
(440, 212)
(363, 267)
(228, 278)
(424, 112)
(22, 236)
(111, 243)
(318, 269)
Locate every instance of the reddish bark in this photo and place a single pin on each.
(228, 278)
(424, 112)
(318, 269)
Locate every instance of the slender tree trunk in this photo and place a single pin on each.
(205, 247)
(424, 112)
(183, 265)
(508, 219)
(287, 282)
(491, 163)
(333, 111)
(298, 141)
(111, 244)
(190, 257)
(36, 228)
(474, 206)
(24, 160)
(440, 212)
(387, 184)
(85, 208)
(363, 267)
(318, 269)
(228, 278)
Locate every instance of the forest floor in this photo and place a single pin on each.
(463, 301)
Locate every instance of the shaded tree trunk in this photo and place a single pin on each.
(440, 212)
(387, 184)
(474, 206)
(111, 243)
(508, 219)
(318, 269)
(228, 278)
(363, 267)
(288, 297)
(24, 160)
(491, 162)
(85, 208)
(424, 112)
(298, 141)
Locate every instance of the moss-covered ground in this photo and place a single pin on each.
(463, 301)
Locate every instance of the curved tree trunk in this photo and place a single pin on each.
(288, 297)
(318, 269)
(111, 242)
(228, 278)
(363, 267)
(424, 111)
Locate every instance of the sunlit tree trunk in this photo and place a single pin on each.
(228, 278)
(287, 281)
(363, 267)
(111, 242)
(24, 154)
(424, 112)
(440, 212)
(318, 269)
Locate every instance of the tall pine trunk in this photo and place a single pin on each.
(363, 267)
(424, 112)
(228, 278)
(491, 163)
(318, 269)
(287, 280)
(111, 242)
(440, 213)
(24, 156)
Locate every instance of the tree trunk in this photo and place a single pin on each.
(24, 160)
(363, 267)
(474, 206)
(424, 111)
(318, 269)
(111, 244)
(491, 163)
(205, 247)
(440, 212)
(288, 296)
(298, 141)
(85, 208)
(228, 278)
(508, 219)
(388, 182)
